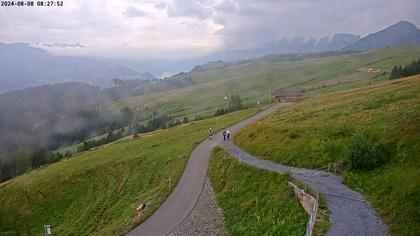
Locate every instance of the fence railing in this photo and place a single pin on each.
(310, 204)
(333, 167)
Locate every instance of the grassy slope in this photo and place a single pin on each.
(255, 201)
(254, 81)
(97, 192)
(316, 131)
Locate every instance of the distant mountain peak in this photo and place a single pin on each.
(400, 33)
(404, 22)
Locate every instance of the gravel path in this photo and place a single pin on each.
(181, 202)
(350, 213)
(206, 218)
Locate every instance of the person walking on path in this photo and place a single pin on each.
(224, 135)
(228, 134)
(210, 133)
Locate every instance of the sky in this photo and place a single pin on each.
(192, 28)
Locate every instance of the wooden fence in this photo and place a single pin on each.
(310, 204)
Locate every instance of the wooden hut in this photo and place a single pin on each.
(286, 95)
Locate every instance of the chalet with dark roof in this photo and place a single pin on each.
(286, 95)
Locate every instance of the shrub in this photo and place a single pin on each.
(367, 152)
(294, 134)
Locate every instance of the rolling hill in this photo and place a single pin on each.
(372, 129)
(99, 189)
(255, 80)
(97, 192)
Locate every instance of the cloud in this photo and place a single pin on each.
(63, 45)
(247, 24)
(160, 5)
(193, 28)
(189, 8)
(134, 12)
(227, 6)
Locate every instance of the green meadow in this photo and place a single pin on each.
(97, 192)
(255, 201)
(373, 129)
(254, 81)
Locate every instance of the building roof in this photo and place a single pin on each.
(288, 93)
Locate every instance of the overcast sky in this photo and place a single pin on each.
(189, 28)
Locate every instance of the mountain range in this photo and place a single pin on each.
(400, 33)
(23, 66)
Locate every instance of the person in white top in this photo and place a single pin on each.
(228, 134)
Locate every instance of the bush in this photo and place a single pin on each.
(367, 152)
(294, 134)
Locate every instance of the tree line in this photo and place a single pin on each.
(234, 104)
(407, 70)
(20, 159)
(26, 159)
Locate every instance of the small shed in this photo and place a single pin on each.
(286, 95)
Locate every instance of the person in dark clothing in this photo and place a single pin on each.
(224, 135)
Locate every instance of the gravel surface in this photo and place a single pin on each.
(182, 201)
(206, 218)
(350, 212)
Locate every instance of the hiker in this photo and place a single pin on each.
(228, 134)
(224, 135)
(210, 133)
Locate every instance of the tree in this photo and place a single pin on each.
(40, 156)
(198, 117)
(220, 111)
(127, 115)
(235, 103)
(185, 120)
(110, 137)
(23, 161)
(395, 73)
(403, 71)
(6, 171)
(68, 153)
